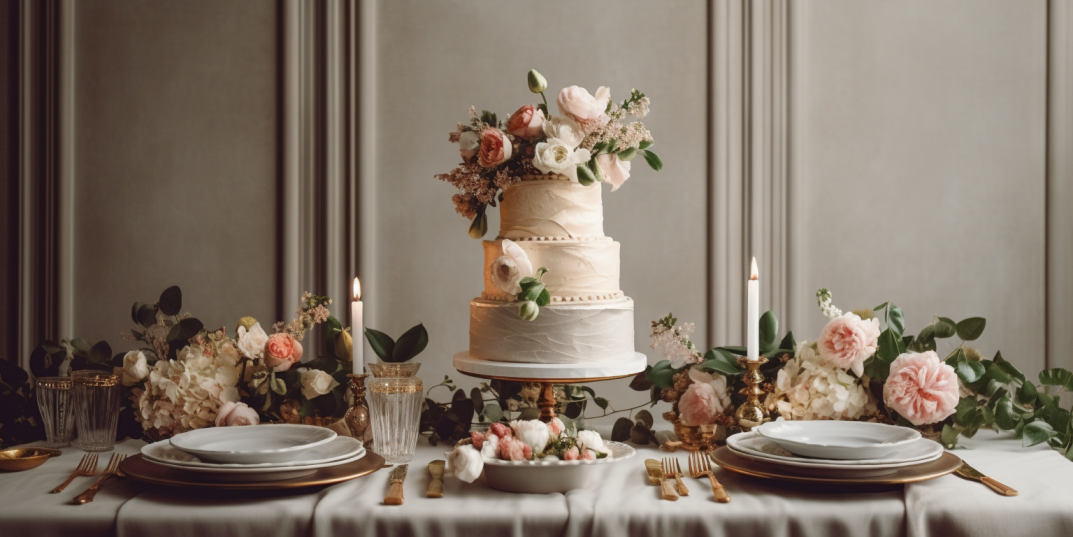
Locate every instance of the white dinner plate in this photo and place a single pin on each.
(756, 447)
(252, 444)
(752, 443)
(826, 439)
(253, 475)
(341, 447)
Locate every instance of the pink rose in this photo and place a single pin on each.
(571, 454)
(556, 427)
(282, 351)
(512, 449)
(588, 455)
(586, 109)
(236, 414)
(921, 388)
(527, 122)
(478, 439)
(704, 399)
(615, 171)
(847, 340)
(500, 430)
(495, 148)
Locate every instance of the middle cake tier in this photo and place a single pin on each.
(578, 270)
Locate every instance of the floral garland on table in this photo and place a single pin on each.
(523, 440)
(864, 367)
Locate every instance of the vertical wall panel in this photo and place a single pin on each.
(918, 152)
(175, 174)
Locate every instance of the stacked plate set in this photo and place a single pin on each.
(843, 452)
(256, 457)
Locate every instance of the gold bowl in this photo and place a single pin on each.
(19, 459)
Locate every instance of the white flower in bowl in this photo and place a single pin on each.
(465, 462)
(592, 440)
(535, 433)
(555, 156)
(509, 269)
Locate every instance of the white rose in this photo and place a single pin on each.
(316, 382)
(554, 156)
(535, 433)
(564, 129)
(465, 462)
(468, 143)
(490, 447)
(135, 368)
(251, 343)
(508, 270)
(591, 440)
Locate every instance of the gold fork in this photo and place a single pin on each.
(667, 485)
(699, 466)
(87, 466)
(113, 469)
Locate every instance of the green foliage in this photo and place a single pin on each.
(970, 329)
(722, 361)
(653, 160)
(409, 345)
(660, 375)
(585, 175)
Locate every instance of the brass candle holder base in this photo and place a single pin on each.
(751, 412)
(357, 417)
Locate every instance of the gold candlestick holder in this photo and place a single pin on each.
(357, 417)
(751, 413)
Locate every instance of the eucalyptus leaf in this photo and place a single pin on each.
(1009, 368)
(645, 417)
(147, 315)
(381, 343)
(945, 328)
(600, 402)
(640, 434)
(101, 353)
(640, 382)
(171, 301)
(969, 372)
(621, 431)
(971, 328)
(478, 400)
(493, 412)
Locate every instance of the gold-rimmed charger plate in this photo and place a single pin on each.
(138, 468)
(944, 465)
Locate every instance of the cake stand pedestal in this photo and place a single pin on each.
(549, 374)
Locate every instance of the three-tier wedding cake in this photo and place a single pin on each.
(557, 224)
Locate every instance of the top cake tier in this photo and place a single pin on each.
(551, 207)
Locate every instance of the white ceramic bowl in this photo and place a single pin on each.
(838, 439)
(545, 476)
(252, 444)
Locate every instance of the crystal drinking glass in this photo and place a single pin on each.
(395, 409)
(54, 400)
(96, 396)
(394, 369)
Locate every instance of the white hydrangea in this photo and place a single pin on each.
(186, 393)
(810, 388)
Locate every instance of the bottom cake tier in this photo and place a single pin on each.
(561, 334)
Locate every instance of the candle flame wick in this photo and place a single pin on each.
(753, 273)
(357, 289)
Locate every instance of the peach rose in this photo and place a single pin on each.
(616, 171)
(586, 109)
(282, 351)
(847, 340)
(236, 414)
(588, 455)
(495, 148)
(571, 454)
(921, 388)
(704, 400)
(527, 122)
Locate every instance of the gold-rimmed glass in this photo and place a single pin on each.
(394, 369)
(56, 404)
(395, 409)
(96, 398)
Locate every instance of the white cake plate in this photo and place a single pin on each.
(549, 374)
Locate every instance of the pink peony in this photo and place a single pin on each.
(586, 109)
(236, 414)
(512, 449)
(495, 148)
(527, 122)
(478, 439)
(588, 455)
(615, 171)
(500, 430)
(282, 351)
(571, 454)
(704, 399)
(921, 388)
(847, 340)
(556, 427)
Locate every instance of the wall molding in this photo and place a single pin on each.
(748, 157)
(1059, 183)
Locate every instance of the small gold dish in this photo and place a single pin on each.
(19, 459)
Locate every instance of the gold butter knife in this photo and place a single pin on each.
(972, 474)
(655, 472)
(435, 479)
(394, 495)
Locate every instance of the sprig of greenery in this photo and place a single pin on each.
(533, 295)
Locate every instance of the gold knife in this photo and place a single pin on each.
(394, 495)
(435, 479)
(655, 472)
(972, 474)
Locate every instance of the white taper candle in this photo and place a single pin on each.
(357, 327)
(753, 319)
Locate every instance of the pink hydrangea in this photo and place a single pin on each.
(848, 340)
(921, 388)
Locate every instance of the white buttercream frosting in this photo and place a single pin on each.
(551, 209)
(561, 334)
(577, 270)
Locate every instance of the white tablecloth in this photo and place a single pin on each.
(618, 503)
